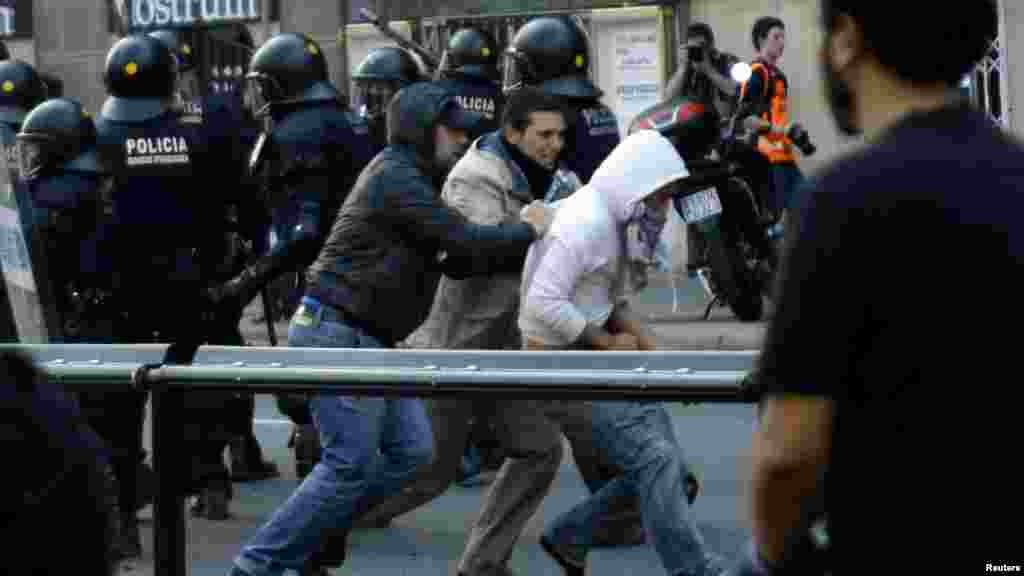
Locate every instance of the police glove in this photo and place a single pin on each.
(227, 298)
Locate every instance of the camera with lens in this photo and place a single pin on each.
(801, 139)
(695, 53)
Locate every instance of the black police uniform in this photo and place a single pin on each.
(593, 134)
(469, 70)
(222, 113)
(67, 188)
(478, 95)
(165, 197)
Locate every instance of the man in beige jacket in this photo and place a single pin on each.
(502, 172)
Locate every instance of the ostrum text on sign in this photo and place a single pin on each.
(146, 13)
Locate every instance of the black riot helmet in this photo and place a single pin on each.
(471, 52)
(21, 89)
(57, 134)
(288, 69)
(181, 50)
(140, 76)
(551, 53)
(381, 75)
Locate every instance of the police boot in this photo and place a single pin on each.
(247, 463)
(214, 496)
(145, 486)
(128, 543)
(306, 442)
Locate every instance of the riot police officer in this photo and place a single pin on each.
(303, 165)
(21, 90)
(159, 161)
(469, 69)
(378, 78)
(56, 154)
(553, 53)
(222, 113)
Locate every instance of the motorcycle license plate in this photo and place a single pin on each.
(700, 205)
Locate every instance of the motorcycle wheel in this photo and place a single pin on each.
(736, 282)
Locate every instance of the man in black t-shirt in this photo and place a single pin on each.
(882, 402)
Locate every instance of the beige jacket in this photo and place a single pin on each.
(478, 313)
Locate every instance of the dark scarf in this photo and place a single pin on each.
(538, 177)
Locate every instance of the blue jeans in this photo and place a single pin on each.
(633, 437)
(351, 476)
(787, 180)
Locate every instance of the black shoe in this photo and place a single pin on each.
(211, 504)
(245, 469)
(569, 568)
(127, 539)
(333, 552)
(306, 443)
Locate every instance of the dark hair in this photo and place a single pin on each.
(700, 29)
(524, 101)
(940, 47)
(762, 27)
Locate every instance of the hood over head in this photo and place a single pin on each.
(416, 110)
(639, 166)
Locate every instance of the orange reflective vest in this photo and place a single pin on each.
(775, 145)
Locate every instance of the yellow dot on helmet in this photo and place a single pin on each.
(580, 61)
(131, 68)
(186, 49)
(485, 51)
(313, 49)
(8, 86)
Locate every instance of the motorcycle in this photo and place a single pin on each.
(725, 199)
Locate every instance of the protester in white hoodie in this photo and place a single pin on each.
(576, 279)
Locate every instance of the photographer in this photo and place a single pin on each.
(703, 73)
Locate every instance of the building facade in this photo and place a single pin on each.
(633, 43)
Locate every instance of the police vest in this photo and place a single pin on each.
(166, 200)
(290, 164)
(775, 145)
(480, 96)
(592, 138)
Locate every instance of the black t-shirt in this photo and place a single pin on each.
(901, 301)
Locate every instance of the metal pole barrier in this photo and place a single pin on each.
(679, 376)
(168, 465)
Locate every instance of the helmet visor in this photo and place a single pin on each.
(374, 96)
(260, 92)
(517, 71)
(32, 156)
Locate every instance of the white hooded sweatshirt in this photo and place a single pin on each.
(576, 274)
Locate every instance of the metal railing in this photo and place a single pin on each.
(667, 376)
